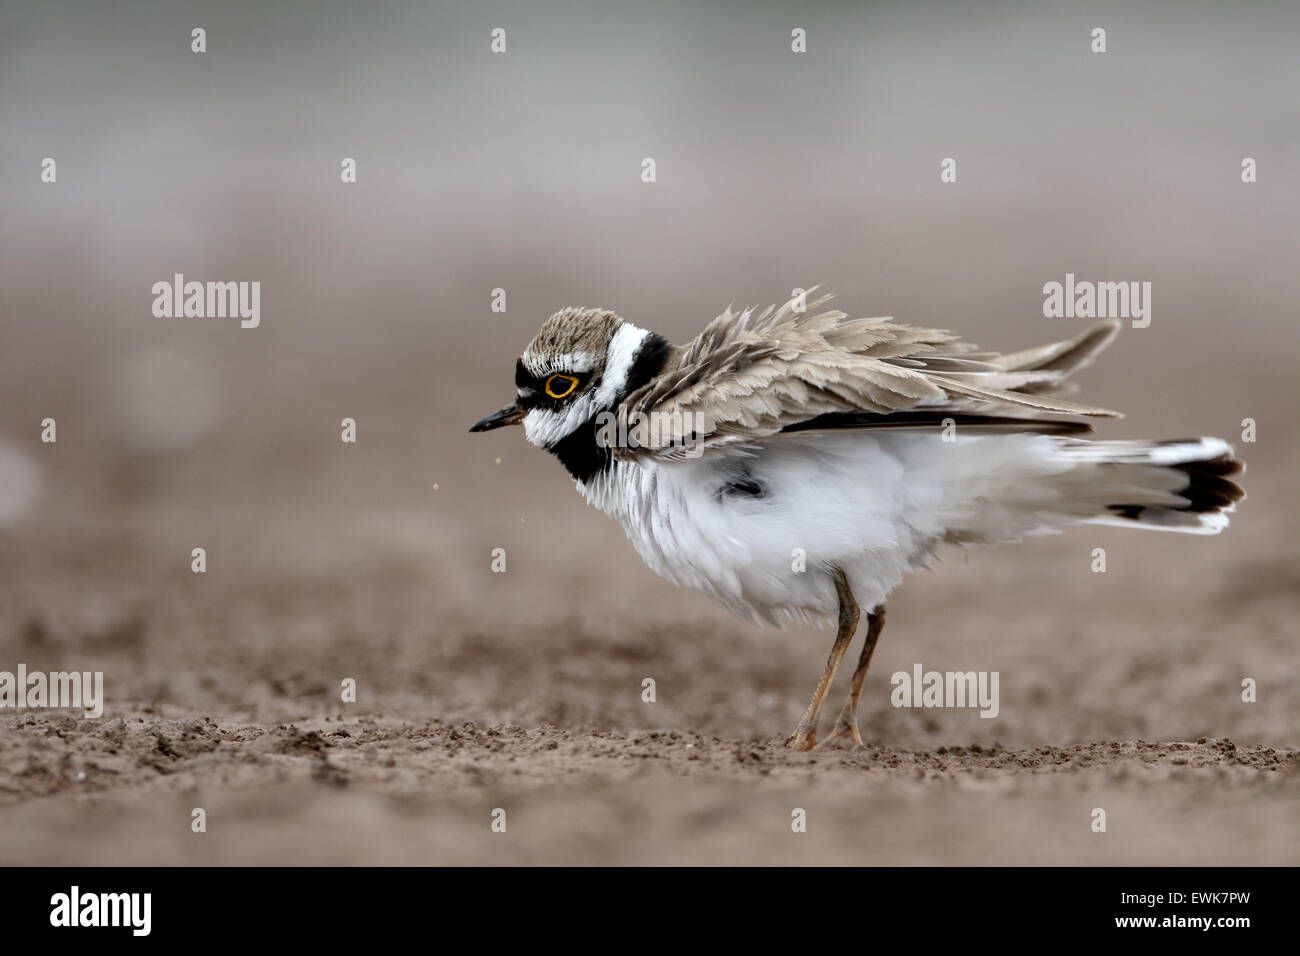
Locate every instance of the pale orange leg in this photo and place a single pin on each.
(805, 735)
(846, 728)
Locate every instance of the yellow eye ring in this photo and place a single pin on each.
(561, 386)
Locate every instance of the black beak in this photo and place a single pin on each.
(510, 415)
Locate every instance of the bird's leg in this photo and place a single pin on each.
(805, 735)
(846, 728)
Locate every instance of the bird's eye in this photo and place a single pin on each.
(561, 386)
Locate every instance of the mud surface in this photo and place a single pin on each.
(365, 790)
(1118, 691)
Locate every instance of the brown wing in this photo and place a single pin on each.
(747, 377)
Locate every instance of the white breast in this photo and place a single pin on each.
(875, 504)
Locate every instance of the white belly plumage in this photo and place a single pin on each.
(759, 529)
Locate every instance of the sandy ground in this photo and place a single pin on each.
(367, 790)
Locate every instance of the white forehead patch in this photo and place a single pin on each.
(575, 362)
(568, 362)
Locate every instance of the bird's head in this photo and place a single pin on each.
(581, 363)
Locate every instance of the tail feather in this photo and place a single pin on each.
(1180, 485)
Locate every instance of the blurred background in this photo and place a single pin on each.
(522, 171)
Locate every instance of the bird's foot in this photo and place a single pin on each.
(803, 738)
(846, 728)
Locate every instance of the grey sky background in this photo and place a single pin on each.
(521, 171)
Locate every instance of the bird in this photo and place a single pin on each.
(793, 464)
